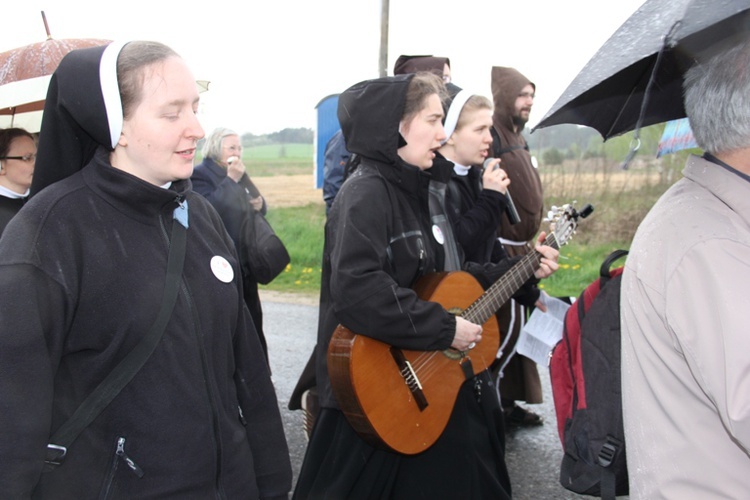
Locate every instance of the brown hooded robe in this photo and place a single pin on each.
(520, 380)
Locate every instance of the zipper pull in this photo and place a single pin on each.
(181, 212)
(121, 453)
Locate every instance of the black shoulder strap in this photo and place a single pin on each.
(604, 274)
(119, 377)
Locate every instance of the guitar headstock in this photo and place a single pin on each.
(564, 220)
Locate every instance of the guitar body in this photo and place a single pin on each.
(402, 400)
(373, 382)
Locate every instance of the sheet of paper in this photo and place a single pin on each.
(543, 331)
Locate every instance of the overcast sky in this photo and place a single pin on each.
(271, 62)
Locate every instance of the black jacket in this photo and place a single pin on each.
(230, 199)
(81, 277)
(9, 207)
(475, 214)
(378, 238)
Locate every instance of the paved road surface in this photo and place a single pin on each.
(533, 455)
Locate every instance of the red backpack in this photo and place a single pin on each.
(585, 376)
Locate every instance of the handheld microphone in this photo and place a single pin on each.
(510, 207)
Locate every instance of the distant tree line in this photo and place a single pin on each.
(285, 136)
(552, 145)
(561, 137)
(555, 144)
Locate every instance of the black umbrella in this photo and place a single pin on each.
(635, 78)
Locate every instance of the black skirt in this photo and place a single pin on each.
(466, 462)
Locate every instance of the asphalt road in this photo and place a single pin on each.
(533, 455)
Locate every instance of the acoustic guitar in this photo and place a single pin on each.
(401, 399)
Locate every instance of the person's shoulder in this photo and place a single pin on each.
(336, 141)
(49, 199)
(202, 209)
(205, 179)
(201, 171)
(365, 182)
(37, 227)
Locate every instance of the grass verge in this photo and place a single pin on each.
(301, 230)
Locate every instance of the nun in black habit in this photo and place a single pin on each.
(82, 275)
(380, 238)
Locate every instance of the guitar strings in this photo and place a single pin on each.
(425, 366)
(502, 291)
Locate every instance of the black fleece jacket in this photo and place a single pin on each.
(82, 271)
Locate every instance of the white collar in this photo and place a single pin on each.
(461, 170)
(4, 191)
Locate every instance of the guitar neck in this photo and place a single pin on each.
(504, 288)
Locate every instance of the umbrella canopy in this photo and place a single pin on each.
(677, 136)
(651, 50)
(24, 77)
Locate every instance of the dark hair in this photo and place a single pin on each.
(413, 64)
(133, 58)
(421, 86)
(8, 135)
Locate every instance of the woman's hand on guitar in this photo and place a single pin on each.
(548, 264)
(467, 335)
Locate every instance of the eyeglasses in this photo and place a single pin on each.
(26, 158)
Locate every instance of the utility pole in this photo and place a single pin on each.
(383, 61)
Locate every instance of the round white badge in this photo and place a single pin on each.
(438, 234)
(222, 269)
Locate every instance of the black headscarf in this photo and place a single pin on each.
(82, 112)
(370, 113)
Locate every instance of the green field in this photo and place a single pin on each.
(277, 159)
(621, 199)
(301, 229)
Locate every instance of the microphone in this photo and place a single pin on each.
(510, 207)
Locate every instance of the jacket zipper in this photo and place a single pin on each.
(119, 455)
(204, 364)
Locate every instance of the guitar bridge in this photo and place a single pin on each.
(410, 378)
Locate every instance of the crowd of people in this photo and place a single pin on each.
(133, 362)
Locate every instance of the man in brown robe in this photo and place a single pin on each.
(513, 96)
